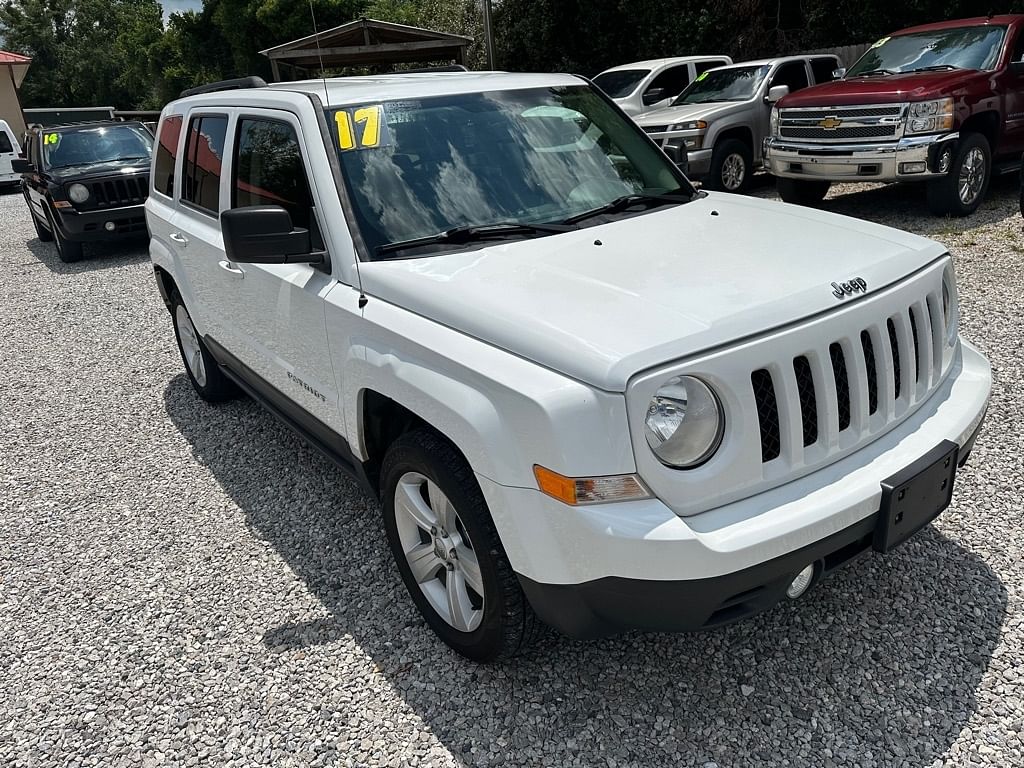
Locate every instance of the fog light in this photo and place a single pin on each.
(110, 226)
(918, 167)
(800, 584)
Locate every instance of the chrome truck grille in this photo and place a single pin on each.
(804, 396)
(842, 124)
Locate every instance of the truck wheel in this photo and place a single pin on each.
(731, 162)
(68, 250)
(960, 192)
(42, 232)
(448, 551)
(206, 376)
(800, 192)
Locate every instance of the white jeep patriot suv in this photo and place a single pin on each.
(583, 391)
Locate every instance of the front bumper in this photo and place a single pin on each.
(591, 571)
(90, 226)
(912, 158)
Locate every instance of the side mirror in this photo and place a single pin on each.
(776, 93)
(839, 74)
(18, 165)
(653, 96)
(677, 154)
(263, 234)
(1017, 67)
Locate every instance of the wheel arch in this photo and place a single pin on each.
(738, 132)
(987, 123)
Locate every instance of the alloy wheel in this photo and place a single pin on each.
(190, 345)
(734, 169)
(972, 176)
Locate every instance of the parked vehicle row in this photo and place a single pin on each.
(585, 392)
(941, 104)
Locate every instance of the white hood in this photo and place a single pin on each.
(659, 287)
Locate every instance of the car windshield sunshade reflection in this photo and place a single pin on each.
(501, 163)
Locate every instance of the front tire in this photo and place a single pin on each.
(67, 250)
(731, 163)
(44, 235)
(800, 192)
(960, 192)
(448, 551)
(207, 378)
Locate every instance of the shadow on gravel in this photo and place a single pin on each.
(97, 255)
(878, 665)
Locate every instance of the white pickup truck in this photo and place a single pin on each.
(583, 391)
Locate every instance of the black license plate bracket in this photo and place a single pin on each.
(915, 496)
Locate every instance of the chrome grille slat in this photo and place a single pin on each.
(842, 124)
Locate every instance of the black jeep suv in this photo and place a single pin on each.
(86, 182)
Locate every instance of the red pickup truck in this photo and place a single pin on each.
(940, 103)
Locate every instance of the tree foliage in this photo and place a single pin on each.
(119, 52)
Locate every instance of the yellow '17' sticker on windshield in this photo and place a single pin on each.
(361, 128)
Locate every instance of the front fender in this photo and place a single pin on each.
(503, 412)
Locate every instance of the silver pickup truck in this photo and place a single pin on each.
(723, 117)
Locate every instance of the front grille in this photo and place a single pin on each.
(854, 375)
(857, 132)
(118, 192)
(846, 113)
(655, 128)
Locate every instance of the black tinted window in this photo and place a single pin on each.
(822, 70)
(671, 81)
(204, 159)
(269, 169)
(5, 143)
(166, 155)
(793, 74)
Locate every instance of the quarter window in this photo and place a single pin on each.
(166, 155)
(268, 169)
(5, 143)
(204, 159)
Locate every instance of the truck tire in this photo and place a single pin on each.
(800, 192)
(437, 523)
(731, 163)
(960, 192)
(67, 250)
(207, 378)
(44, 235)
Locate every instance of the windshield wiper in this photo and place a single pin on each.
(873, 72)
(628, 201)
(468, 233)
(936, 68)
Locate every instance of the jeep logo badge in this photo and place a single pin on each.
(856, 285)
(830, 123)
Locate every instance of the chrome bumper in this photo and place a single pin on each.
(908, 159)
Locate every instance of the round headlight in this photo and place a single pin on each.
(78, 193)
(684, 422)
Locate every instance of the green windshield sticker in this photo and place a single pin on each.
(52, 139)
(362, 128)
(701, 76)
(883, 41)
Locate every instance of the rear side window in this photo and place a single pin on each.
(822, 70)
(269, 170)
(204, 161)
(166, 155)
(5, 143)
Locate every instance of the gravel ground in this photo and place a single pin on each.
(188, 585)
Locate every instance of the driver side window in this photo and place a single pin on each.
(667, 84)
(793, 74)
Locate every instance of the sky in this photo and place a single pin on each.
(172, 6)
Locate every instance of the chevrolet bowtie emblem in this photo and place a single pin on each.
(830, 123)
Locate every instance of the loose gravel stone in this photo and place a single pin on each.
(186, 585)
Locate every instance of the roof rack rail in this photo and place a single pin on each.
(445, 68)
(225, 85)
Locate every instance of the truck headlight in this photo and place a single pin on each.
(693, 125)
(774, 128)
(78, 193)
(950, 307)
(684, 423)
(930, 116)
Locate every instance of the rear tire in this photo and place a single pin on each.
(731, 163)
(67, 250)
(960, 192)
(207, 378)
(801, 192)
(437, 523)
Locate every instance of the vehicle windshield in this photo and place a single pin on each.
(621, 82)
(91, 146)
(957, 48)
(730, 84)
(418, 167)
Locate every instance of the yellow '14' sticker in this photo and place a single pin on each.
(361, 128)
(52, 139)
